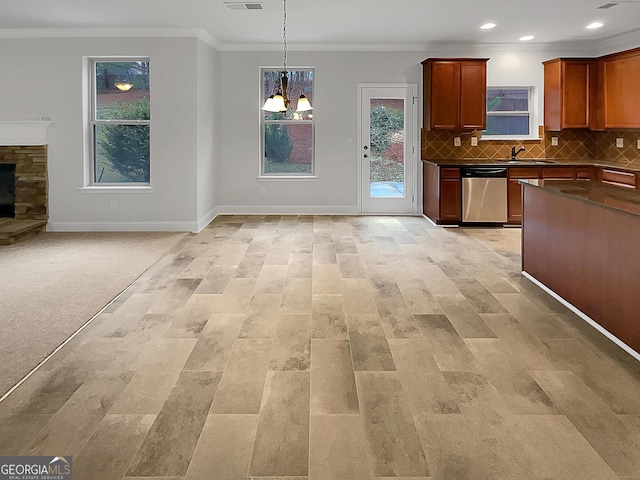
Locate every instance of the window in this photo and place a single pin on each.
(120, 121)
(287, 137)
(509, 113)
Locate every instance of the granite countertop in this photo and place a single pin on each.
(531, 162)
(618, 198)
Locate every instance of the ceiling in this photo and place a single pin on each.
(325, 23)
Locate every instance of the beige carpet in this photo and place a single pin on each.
(53, 283)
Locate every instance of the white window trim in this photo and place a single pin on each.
(532, 112)
(90, 97)
(283, 176)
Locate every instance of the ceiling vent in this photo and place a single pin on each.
(243, 5)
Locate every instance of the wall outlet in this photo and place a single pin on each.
(620, 142)
(113, 205)
(639, 144)
(349, 142)
(457, 142)
(554, 141)
(263, 190)
(474, 141)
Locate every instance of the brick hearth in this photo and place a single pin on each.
(31, 209)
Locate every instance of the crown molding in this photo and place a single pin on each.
(618, 43)
(592, 47)
(106, 33)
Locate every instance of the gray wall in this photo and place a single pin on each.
(205, 143)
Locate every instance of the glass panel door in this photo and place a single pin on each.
(387, 150)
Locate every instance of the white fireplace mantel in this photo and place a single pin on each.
(26, 132)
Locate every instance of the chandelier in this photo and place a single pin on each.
(279, 102)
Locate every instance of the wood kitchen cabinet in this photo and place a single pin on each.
(442, 196)
(595, 93)
(514, 191)
(558, 173)
(619, 178)
(455, 93)
(586, 173)
(620, 96)
(569, 91)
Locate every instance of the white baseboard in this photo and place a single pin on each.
(207, 219)
(122, 226)
(585, 317)
(288, 210)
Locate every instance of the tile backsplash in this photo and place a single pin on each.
(572, 145)
(606, 146)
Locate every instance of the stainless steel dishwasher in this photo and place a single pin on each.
(484, 194)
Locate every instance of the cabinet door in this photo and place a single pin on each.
(576, 93)
(473, 95)
(445, 95)
(567, 94)
(620, 89)
(450, 200)
(514, 202)
(553, 95)
(514, 191)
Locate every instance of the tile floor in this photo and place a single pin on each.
(321, 347)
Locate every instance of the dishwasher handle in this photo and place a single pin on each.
(484, 172)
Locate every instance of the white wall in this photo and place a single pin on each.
(207, 134)
(335, 111)
(43, 77)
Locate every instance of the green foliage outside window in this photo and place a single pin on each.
(384, 121)
(126, 147)
(277, 143)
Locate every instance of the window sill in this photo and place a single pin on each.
(286, 177)
(115, 189)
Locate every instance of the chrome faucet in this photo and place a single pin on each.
(514, 152)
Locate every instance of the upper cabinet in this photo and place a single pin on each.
(568, 88)
(599, 93)
(455, 92)
(620, 75)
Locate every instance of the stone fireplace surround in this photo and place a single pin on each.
(31, 180)
(24, 144)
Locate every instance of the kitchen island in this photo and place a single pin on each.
(580, 241)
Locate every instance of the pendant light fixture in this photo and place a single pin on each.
(279, 102)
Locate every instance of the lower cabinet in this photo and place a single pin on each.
(442, 200)
(450, 196)
(586, 173)
(442, 196)
(619, 178)
(558, 173)
(514, 191)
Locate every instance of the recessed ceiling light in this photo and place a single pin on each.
(526, 38)
(488, 26)
(593, 25)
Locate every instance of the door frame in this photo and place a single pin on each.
(412, 163)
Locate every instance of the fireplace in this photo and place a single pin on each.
(31, 195)
(7, 190)
(24, 196)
